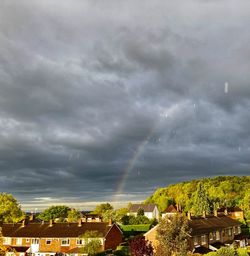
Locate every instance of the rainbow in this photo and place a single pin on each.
(130, 165)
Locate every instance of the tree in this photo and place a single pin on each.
(10, 210)
(139, 246)
(73, 215)
(92, 243)
(54, 212)
(101, 208)
(140, 212)
(172, 235)
(201, 201)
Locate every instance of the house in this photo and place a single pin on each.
(91, 217)
(49, 239)
(206, 232)
(170, 211)
(232, 212)
(150, 210)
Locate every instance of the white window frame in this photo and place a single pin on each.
(19, 241)
(80, 241)
(27, 240)
(218, 235)
(35, 241)
(7, 240)
(203, 239)
(67, 240)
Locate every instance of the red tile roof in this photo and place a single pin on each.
(170, 209)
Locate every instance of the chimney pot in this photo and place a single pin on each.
(50, 223)
(204, 214)
(23, 223)
(215, 213)
(79, 223)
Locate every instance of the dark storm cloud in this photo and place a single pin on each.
(88, 86)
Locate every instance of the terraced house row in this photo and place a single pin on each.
(49, 239)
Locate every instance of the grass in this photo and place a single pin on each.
(136, 228)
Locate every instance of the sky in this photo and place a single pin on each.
(105, 101)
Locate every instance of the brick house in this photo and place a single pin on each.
(206, 232)
(48, 239)
(232, 212)
(150, 210)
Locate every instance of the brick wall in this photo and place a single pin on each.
(113, 238)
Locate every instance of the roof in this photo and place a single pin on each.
(145, 207)
(200, 225)
(230, 209)
(170, 209)
(57, 229)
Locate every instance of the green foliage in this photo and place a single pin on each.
(242, 252)
(132, 220)
(140, 212)
(201, 201)
(73, 215)
(54, 212)
(172, 235)
(10, 210)
(102, 208)
(92, 243)
(221, 191)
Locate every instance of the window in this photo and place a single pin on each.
(217, 235)
(229, 231)
(35, 241)
(79, 241)
(27, 240)
(65, 241)
(19, 241)
(211, 237)
(203, 239)
(239, 230)
(196, 240)
(48, 241)
(7, 240)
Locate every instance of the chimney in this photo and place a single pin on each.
(23, 223)
(215, 213)
(110, 222)
(177, 207)
(32, 217)
(189, 215)
(79, 222)
(204, 214)
(50, 222)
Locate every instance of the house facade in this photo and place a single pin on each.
(49, 239)
(150, 210)
(206, 232)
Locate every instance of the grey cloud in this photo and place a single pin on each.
(88, 87)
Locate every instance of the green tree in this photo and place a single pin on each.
(172, 235)
(101, 208)
(73, 215)
(201, 201)
(54, 212)
(242, 252)
(92, 243)
(225, 251)
(140, 212)
(10, 210)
